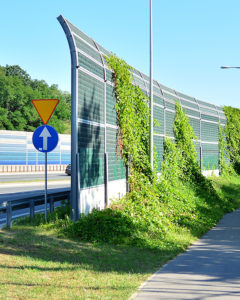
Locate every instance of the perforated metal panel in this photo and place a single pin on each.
(91, 159)
(158, 115)
(111, 101)
(91, 98)
(195, 123)
(210, 156)
(197, 147)
(169, 123)
(158, 143)
(209, 132)
(116, 167)
(16, 148)
(158, 100)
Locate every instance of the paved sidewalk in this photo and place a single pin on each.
(209, 269)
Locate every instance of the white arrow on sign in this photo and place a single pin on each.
(45, 135)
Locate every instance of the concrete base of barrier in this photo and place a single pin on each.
(30, 168)
(207, 173)
(93, 197)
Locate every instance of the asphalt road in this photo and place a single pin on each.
(13, 177)
(26, 182)
(14, 188)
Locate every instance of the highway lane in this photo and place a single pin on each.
(13, 188)
(25, 182)
(16, 177)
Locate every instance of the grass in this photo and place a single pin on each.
(36, 263)
(228, 188)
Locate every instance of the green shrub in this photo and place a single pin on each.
(111, 226)
(231, 133)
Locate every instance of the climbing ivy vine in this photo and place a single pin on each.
(232, 130)
(184, 137)
(225, 166)
(133, 121)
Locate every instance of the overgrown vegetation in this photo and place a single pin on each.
(17, 90)
(179, 202)
(225, 165)
(232, 130)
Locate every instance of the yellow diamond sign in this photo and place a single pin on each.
(45, 108)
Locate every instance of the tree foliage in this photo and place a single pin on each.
(184, 136)
(232, 130)
(17, 90)
(225, 166)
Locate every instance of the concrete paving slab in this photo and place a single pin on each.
(209, 269)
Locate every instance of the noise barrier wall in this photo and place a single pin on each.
(100, 172)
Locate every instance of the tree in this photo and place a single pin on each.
(15, 70)
(17, 90)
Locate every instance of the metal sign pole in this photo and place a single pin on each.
(45, 138)
(45, 187)
(151, 89)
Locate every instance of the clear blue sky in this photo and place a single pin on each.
(192, 39)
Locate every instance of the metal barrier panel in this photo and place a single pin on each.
(16, 149)
(95, 121)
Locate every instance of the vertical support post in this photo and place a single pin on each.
(105, 146)
(201, 160)
(219, 124)
(75, 181)
(79, 205)
(75, 168)
(45, 187)
(151, 88)
(9, 214)
(127, 177)
(51, 202)
(32, 209)
(164, 118)
(106, 178)
(69, 198)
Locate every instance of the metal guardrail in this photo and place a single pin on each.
(31, 202)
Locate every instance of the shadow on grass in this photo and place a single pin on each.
(232, 192)
(60, 286)
(74, 255)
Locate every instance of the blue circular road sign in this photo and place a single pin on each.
(45, 138)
